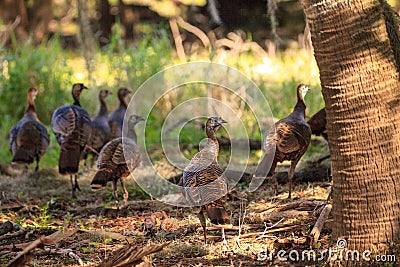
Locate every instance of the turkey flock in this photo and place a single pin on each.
(205, 184)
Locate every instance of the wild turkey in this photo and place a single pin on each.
(116, 118)
(112, 165)
(289, 139)
(29, 138)
(100, 128)
(72, 127)
(318, 123)
(204, 185)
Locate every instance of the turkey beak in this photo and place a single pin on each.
(221, 121)
(141, 119)
(84, 87)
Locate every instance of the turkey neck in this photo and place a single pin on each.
(31, 109)
(103, 107)
(132, 133)
(75, 95)
(122, 102)
(212, 140)
(300, 107)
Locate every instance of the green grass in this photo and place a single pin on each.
(54, 70)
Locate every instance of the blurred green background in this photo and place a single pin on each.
(267, 43)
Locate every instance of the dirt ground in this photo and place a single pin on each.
(91, 231)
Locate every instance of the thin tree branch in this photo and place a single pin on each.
(196, 31)
(319, 224)
(177, 39)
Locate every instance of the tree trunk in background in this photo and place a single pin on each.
(86, 36)
(106, 20)
(41, 15)
(356, 45)
(127, 18)
(15, 11)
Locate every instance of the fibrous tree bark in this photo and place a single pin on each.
(357, 49)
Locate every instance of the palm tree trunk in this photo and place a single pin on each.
(356, 45)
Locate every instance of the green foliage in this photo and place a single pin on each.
(86, 250)
(131, 65)
(43, 67)
(53, 71)
(44, 218)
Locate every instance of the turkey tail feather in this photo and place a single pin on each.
(69, 160)
(262, 171)
(23, 156)
(100, 179)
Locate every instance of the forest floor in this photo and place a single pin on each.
(91, 231)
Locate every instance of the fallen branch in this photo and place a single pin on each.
(131, 255)
(296, 204)
(289, 210)
(268, 228)
(13, 246)
(236, 228)
(261, 217)
(277, 230)
(55, 237)
(11, 206)
(319, 224)
(26, 255)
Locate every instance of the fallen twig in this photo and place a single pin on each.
(25, 256)
(13, 246)
(55, 237)
(274, 216)
(289, 210)
(131, 255)
(319, 224)
(235, 227)
(295, 204)
(269, 227)
(282, 229)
